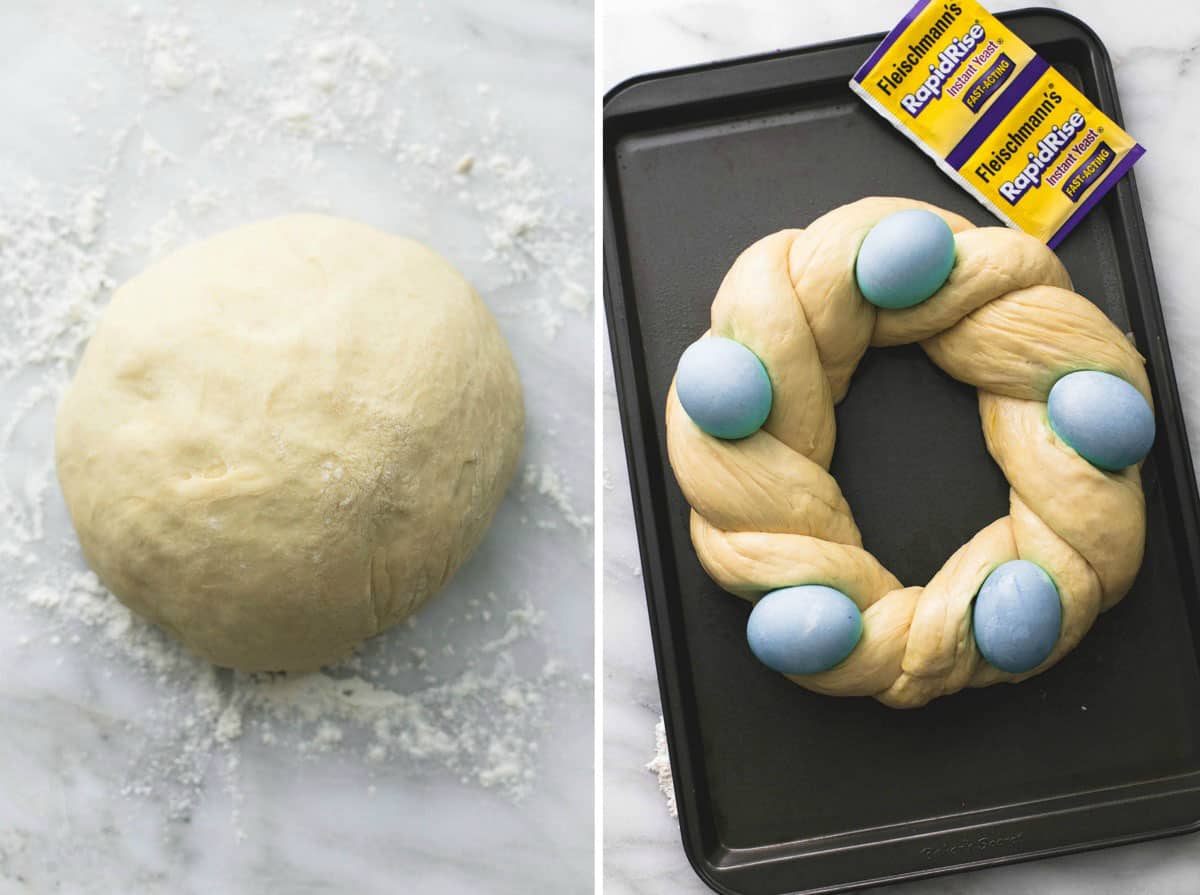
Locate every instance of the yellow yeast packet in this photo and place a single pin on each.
(996, 117)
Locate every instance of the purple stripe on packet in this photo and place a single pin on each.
(1089, 203)
(982, 129)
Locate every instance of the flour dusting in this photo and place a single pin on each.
(660, 766)
(468, 696)
(546, 482)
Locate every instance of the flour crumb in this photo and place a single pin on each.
(513, 221)
(229, 724)
(546, 482)
(171, 56)
(88, 214)
(327, 736)
(575, 297)
(155, 154)
(660, 766)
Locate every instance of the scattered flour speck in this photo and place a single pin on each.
(660, 766)
(546, 482)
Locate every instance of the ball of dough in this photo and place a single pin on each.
(285, 439)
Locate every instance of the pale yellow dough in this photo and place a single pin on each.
(285, 439)
(767, 514)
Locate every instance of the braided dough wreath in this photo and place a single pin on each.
(766, 513)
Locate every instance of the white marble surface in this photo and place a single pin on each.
(130, 127)
(1154, 48)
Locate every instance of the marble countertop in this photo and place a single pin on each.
(1154, 49)
(132, 127)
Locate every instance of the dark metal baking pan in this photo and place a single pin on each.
(782, 790)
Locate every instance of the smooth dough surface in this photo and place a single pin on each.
(286, 438)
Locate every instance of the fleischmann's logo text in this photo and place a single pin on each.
(919, 50)
(1045, 152)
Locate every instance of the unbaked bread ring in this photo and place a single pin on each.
(766, 513)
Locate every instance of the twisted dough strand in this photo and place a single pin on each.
(767, 514)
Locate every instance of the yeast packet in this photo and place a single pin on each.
(996, 117)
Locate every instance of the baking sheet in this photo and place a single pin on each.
(783, 790)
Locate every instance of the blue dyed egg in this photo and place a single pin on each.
(1017, 616)
(805, 629)
(1104, 418)
(905, 258)
(724, 387)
